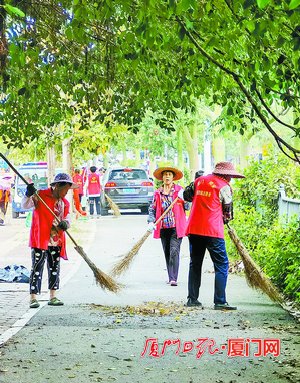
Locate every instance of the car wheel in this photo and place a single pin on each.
(104, 210)
(15, 214)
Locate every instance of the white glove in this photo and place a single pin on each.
(151, 226)
(180, 193)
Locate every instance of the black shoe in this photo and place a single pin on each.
(224, 306)
(194, 303)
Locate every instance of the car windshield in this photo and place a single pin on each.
(128, 174)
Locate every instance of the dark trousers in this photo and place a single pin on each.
(3, 209)
(96, 201)
(171, 246)
(38, 258)
(217, 251)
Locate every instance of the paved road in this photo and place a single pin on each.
(99, 336)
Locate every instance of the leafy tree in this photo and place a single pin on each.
(242, 55)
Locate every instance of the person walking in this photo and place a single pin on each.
(78, 179)
(93, 191)
(171, 229)
(211, 198)
(5, 197)
(47, 237)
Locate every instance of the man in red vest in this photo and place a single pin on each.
(211, 198)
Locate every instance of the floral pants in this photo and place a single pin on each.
(38, 257)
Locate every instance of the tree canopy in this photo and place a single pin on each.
(131, 56)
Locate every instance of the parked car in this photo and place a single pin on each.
(129, 188)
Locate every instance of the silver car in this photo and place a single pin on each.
(129, 188)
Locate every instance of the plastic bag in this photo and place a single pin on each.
(28, 219)
(15, 273)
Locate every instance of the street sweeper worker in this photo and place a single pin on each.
(94, 191)
(5, 197)
(211, 198)
(171, 229)
(47, 234)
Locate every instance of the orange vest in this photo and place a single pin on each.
(78, 179)
(206, 217)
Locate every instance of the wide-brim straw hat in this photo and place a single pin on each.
(65, 178)
(226, 169)
(158, 173)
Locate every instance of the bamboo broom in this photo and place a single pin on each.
(254, 275)
(114, 207)
(126, 260)
(102, 279)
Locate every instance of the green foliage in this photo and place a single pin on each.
(280, 257)
(273, 245)
(260, 188)
(161, 55)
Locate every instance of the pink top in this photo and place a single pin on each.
(177, 209)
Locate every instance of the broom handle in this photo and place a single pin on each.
(39, 197)
(166, 211)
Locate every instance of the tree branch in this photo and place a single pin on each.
(271, 113)
(282, 144)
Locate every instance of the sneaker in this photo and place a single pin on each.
(34, 304)
(173, 283)
(55, 302)
(191, 303)
(224, 306)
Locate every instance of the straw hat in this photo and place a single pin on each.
(158, 173)
(226, 169)
(63, 177)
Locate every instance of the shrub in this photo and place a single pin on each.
(273, 245)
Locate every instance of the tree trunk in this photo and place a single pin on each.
(218, 149)
(67, 166)
(245, 149)
(67, 155)
(180, 161)
(51, 163)
(137, 157)
(190, 135)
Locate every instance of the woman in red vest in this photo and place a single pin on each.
(47, 237)
(211, 198)
(171, 229)
(93, 191)
(78, 179)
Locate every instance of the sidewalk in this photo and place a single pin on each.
(14, 297)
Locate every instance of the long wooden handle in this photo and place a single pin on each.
(38, 196)
(166, 211)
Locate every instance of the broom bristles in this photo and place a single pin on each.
(102, 279)
(114, 207)
(125, 262)
(254, 275)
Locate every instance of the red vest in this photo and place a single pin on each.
(42, 221)
(77, 178)
(178, 210)
(206, 217)
(94, 186)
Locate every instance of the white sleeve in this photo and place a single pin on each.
(27, 202)
(225, 195)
